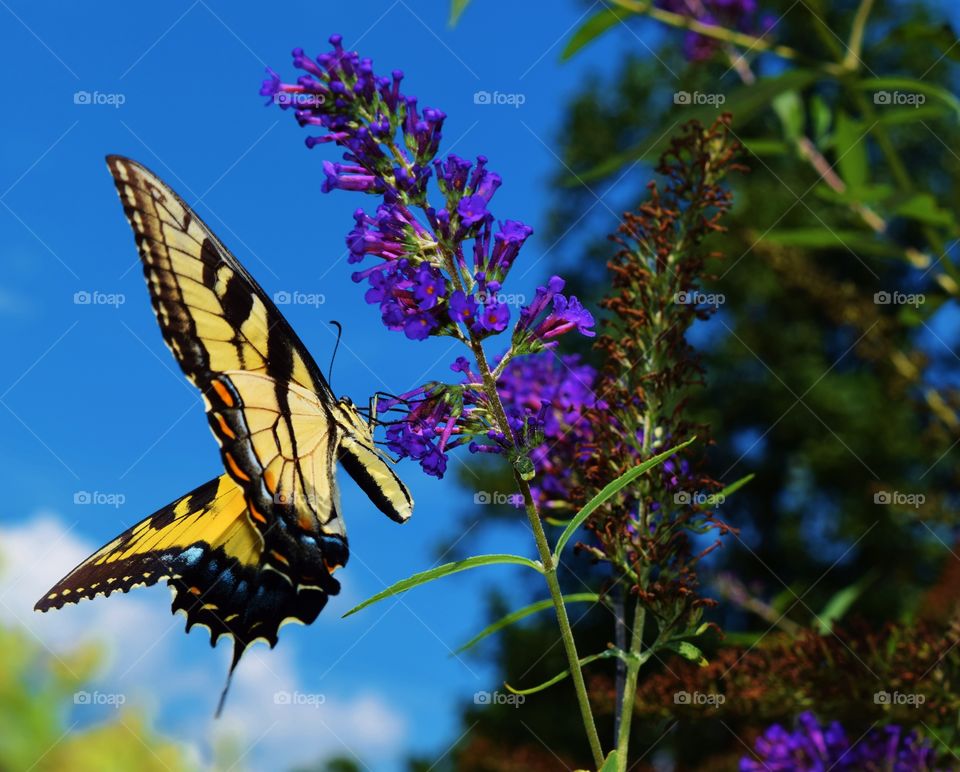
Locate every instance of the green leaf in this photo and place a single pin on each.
(610, 490)
(592, 28)
(895, 116)
(850, 144)
(445, 570)
(734, 486)
(885, 91)
(457, 7)
(820, 117)
(924, 207)
(516, 616)
(745, 103)
(841, 602)
(763, 147)
(789, 110)
(611, 763)
(688, 651)
(820, 238)
(564, 674)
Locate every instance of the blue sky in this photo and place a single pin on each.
(91, 401)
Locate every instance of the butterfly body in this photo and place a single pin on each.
(257, 546)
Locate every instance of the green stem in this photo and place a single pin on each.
(549, 567)
(852, 60)
(733, 37)
(630, 687)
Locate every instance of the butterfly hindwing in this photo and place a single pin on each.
(207, 550)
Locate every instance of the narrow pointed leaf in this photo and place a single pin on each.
(445, 570)
(457, 7)
(734, 486)
(840, 603)
(516, 616)
(560, 676)
(592, 28)
(610, 491)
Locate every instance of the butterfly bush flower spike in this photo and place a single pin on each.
(433, 257)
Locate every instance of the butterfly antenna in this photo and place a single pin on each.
(336, 345)
(238, 650)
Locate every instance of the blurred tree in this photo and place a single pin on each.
(34, 687)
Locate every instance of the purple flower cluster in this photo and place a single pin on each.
(739, 15)
(550, 394)
(441, 268)
(430, 269)
(811, 747)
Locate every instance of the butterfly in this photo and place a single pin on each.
(257, 546)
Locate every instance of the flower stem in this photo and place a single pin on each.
(630, 687)
(546, 559)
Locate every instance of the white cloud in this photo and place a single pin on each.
(178, 677)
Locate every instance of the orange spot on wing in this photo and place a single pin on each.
(194, 590)
(237, 471)
(224, 429)
(225, 396)
(331, 567)
(256, 515)
(280, 557)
